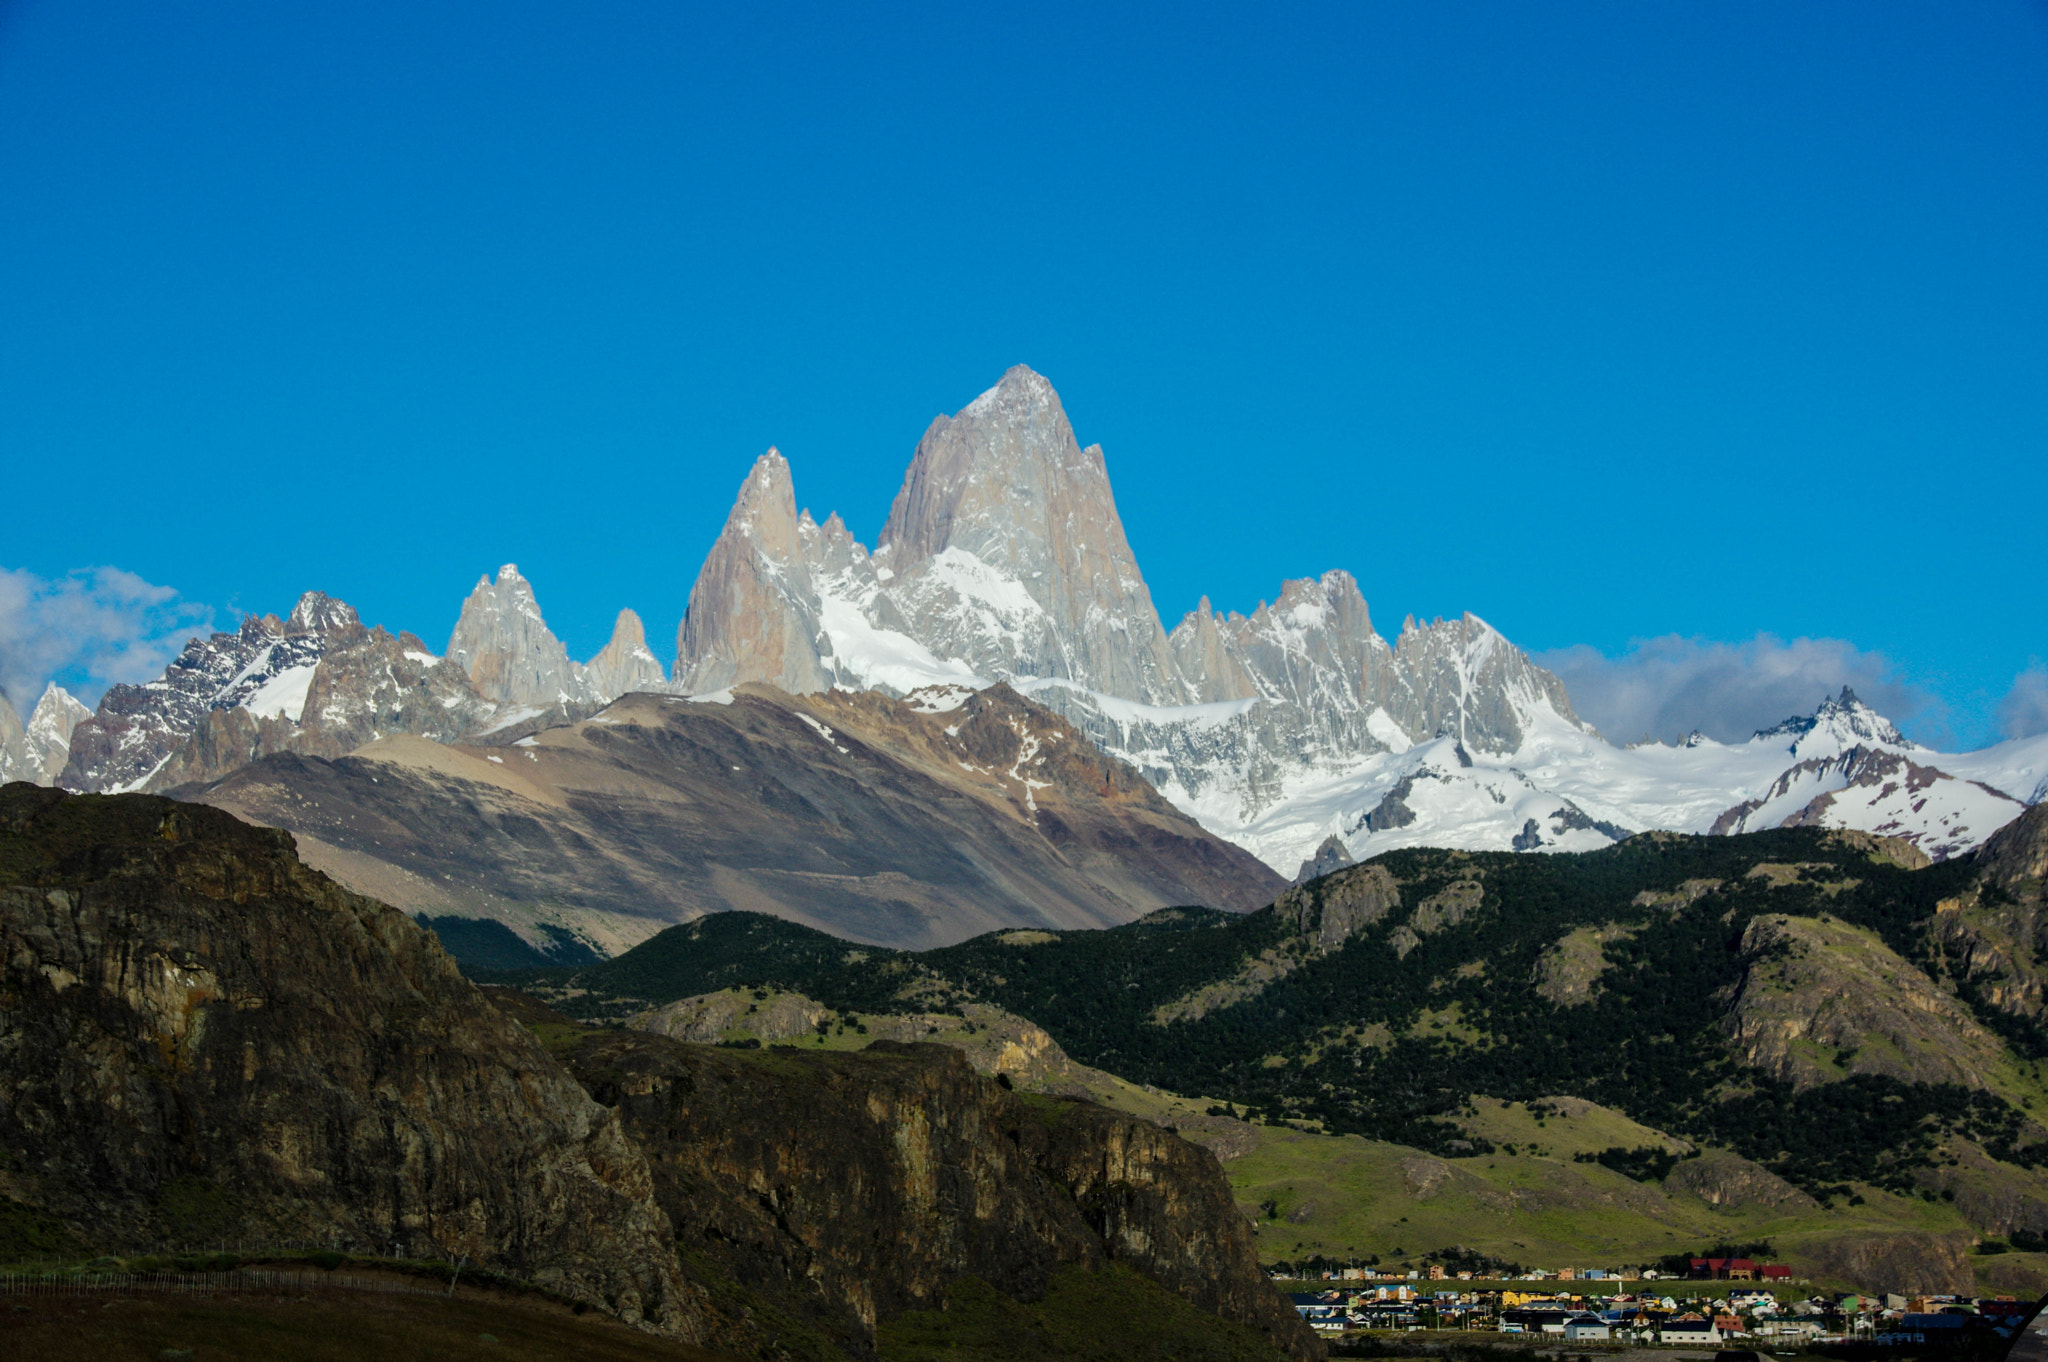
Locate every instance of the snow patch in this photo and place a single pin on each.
(283, 696)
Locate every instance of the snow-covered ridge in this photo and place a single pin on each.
(1004, 560)
(319, 683)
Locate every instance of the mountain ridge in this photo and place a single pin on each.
(1004, 559)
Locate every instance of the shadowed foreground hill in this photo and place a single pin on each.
(203, 1039)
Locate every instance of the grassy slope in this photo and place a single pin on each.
(337, 1326)
(1363, 1198)
(1085, 1315)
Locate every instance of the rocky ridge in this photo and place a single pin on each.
(205, 1040)
(859, 1184)
(896, 822)
(1004, 559)
(319, 683)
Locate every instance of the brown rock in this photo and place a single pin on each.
(855, 1186)
(203, 1041)
(1906, 1263)
(875, 819)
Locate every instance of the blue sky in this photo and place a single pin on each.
(1719, 325)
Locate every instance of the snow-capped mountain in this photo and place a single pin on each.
(319, 683)
(1562, 788)
(1296, 731)
(1004, 559)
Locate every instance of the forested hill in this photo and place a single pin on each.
(1822, 1002)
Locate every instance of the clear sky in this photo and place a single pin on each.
(1722, 326)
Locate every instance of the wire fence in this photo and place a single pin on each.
(55, 1284)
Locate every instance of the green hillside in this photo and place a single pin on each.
(1798, 997)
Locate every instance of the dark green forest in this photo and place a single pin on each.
(1391, 1045)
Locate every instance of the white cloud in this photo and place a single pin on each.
(2024, 710)
(1667, 687)
(88, 630)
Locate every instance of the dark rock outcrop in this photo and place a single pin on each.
(1729, 1182)
(856, 1185)
(204, 1041)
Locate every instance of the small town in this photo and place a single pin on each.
(1761, 1308)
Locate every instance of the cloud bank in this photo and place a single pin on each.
(2024, 710)
(1667, 687)
(88, 630)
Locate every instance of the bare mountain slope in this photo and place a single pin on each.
(912, 822)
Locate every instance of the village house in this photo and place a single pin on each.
(1689, 1329)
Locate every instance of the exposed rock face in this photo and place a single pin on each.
(320, 684)
(1332, 911)
(1729, 1182)
(1844, 721)
(1884, 791)
(36, 752)
(203, 1039)
(57, 716)
(2015, 859)
(994, 1042)
(1913, 1263)
(1815, 986)
(316, 682)
(753, 614)
(912, 822)
(509, 653)
(856, 1185)
(14, 758)
(1995, 935)
(1329, 858)
(1007, 551)
(1004, 558)
(625, 665)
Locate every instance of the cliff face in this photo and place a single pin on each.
(854, 1186)
(202, 1040)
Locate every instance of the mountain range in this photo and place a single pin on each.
(1296, 732)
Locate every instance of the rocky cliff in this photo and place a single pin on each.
(319, 683)
(502, 642)
(202, 1040)
(855, 1186)
(1004, 558)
